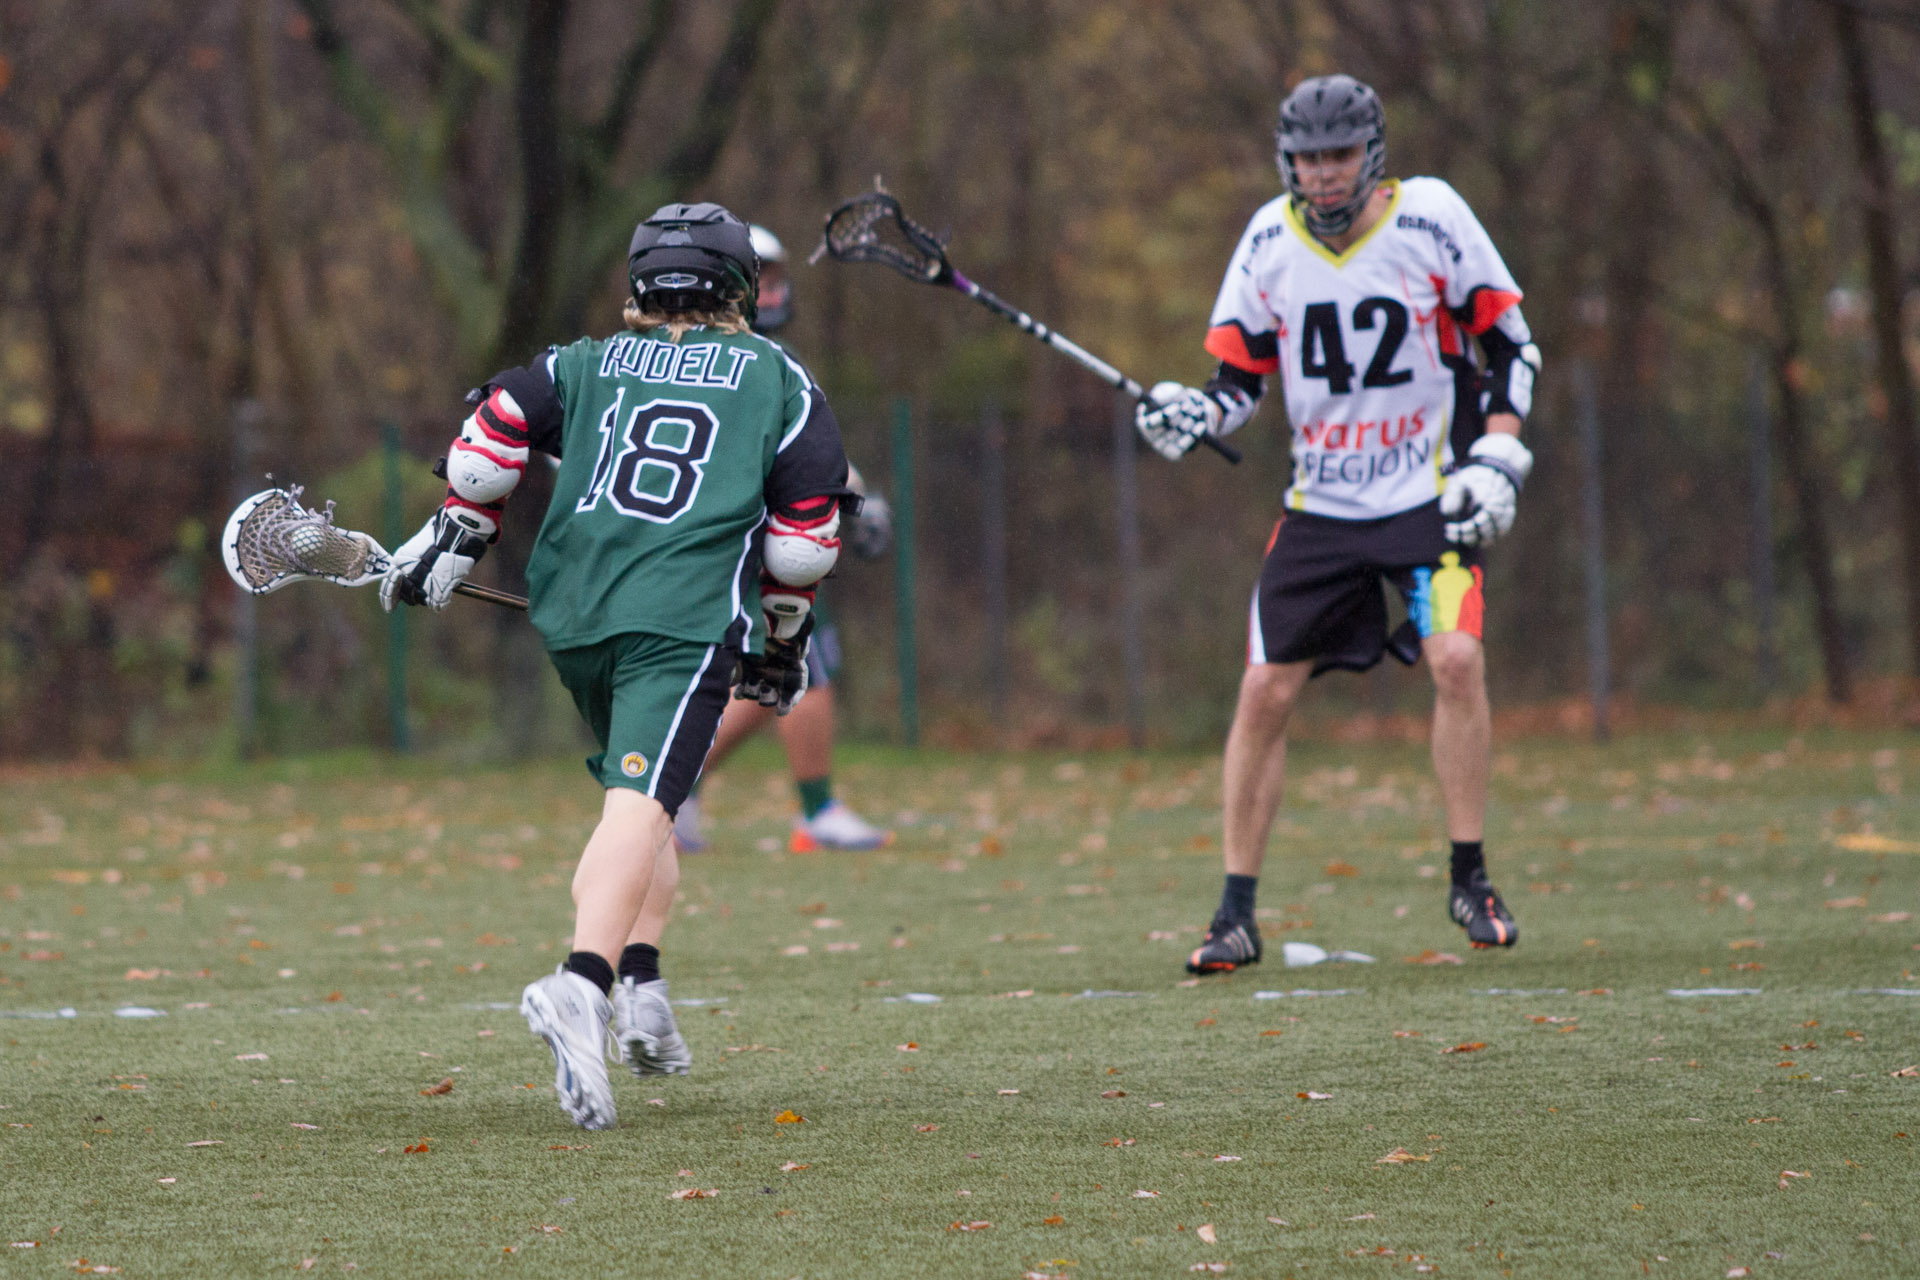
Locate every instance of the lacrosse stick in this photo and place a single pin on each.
(271, 540)
(873, 228)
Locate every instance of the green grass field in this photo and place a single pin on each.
(330, 940)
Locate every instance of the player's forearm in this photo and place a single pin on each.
(1507, 424)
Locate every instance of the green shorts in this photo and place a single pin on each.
(653, 704)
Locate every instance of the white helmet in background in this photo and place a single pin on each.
(776, 290)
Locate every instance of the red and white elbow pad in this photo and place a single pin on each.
(802, 542)
(488, 459)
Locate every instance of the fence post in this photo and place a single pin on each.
(399, 733)
(244, 439)
(1126, 507)
(904, 594)
(1593, 531)
(993, 552)
(1760, 531)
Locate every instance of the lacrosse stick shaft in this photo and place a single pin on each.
(1071, 350)
(505, 599)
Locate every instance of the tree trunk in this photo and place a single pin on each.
(1883, 274)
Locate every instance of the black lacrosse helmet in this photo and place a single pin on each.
(693, 257)
(1325, 114)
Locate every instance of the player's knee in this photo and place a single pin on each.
(1268, 693)
(1458, 665)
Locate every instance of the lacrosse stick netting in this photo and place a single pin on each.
(873, 228)
(272, 540)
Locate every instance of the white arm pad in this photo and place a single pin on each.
(799, 555)
(490, 456)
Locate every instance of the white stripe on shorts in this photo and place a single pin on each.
(673, 730)
(1256, 642)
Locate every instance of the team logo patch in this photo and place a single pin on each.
(633, 764)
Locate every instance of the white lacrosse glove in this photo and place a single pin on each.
(1482, 492)
(432, 562)
(1174, 417)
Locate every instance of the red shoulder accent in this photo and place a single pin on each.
(1255, 352)
(1484, 306)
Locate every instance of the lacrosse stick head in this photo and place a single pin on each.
(873, 228)
(271, 540)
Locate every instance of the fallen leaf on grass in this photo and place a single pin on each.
(167, 1182)
(925, 1128)
(1430, 956)
(1400, 1155)
(1114, 1093)
(560, 1147)
(789, 1117)
(547, 1228)
(1278, 1222)
(1055, 1221)
(969, 1226)
(909, 1047)
(1281, 1033)
(1733, 1272)
(208, 1142)
(1008, 1093)
(1905, 1073)
(1211, 1268)
(1311, 1096)
(445, 1086)
(1843, 904)
(1117, 1142)
(1471, 1046)
(1891, 917)
(1763, 1119)
(792, 1167)
(694, 1193)
(249, 1057)
(1745, 944)
(1872, 842)
(1361, 1217)
(419, 1148)
(1225, 1159)
(94, 1268)
(1146, 1195)
(1339, 868)
(1205, 1232)
(1789, 1173)
(298, 1125)
(142, 975)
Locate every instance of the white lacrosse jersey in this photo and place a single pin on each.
(1369, 344)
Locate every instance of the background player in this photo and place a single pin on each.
(807, 732)
(699, 482)
(1359, 294)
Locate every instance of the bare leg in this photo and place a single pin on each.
(1256, 760)
(658, 905)
(740, 721)
(807, 733)
(1462, 730)
(617, 870)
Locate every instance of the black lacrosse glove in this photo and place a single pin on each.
(778, 677)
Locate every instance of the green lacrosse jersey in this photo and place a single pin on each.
(671, 456)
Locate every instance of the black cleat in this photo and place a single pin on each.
(1476, 907)
(1229, 944)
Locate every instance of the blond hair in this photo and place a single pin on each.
(726, 318)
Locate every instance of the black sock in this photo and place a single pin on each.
(593, 967)
(1236, 901)
(1467, 859)
(640, 961)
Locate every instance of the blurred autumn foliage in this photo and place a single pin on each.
(236, 236)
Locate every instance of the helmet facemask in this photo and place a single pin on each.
(1331, 113)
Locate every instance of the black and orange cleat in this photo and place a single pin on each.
(1229, 944)
(1476, 907)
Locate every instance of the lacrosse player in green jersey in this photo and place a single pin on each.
(696, 506)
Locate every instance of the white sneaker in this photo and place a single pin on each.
(571, 1015)
(688, 830)
(649, 1040)
(836, 827)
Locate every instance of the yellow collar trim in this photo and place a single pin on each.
(1345, 256)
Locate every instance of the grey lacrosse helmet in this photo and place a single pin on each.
(1323, 114)
(688, 257)
(776, 284)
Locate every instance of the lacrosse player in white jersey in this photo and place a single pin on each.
(1360, 293)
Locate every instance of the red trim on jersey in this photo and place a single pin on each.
(1274, 536)
(801, 515)
(1485, 305)
(491, 456)
(1448, 329)
(1473, 607)
(1234, 344)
